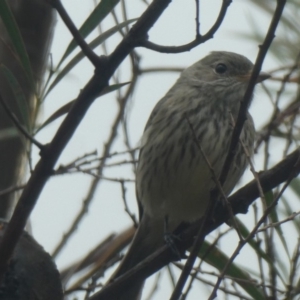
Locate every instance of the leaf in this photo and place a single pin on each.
(285, 46)
(269, 196)
(215, 257)
(288, 211)
(295, 185)
(97, 15)
(8, 133)
(254, 245)
(257, 247)
(16, 38)
(66, 108)
(96, 42)
(18, 94)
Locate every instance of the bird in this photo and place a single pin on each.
(173, 179)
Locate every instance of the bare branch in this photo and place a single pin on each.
(248, 95)
(74, 31)
(200, 39)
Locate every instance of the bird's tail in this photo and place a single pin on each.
(148, 238)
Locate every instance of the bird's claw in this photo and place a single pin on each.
(170, 239)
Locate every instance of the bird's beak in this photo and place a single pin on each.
(262, 76)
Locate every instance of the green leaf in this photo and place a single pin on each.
(269, 196)
(8, 133)
(16, 38)
(257, 247)
(97, 15)
(66, 108)
(295, 185)
(216, 258)
(254, 245)
(18, 94)
(288, 211)
(96, 42)
(285, 47)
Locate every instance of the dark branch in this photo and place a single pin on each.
(200, 39)
(88, 52)
(242, 116)
(197, 19)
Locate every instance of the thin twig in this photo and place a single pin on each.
(242, 243)
(276, 224)
(154, 287)
(293, 272)
(131, 215)
(19, 126)
(200, 39)
(197, 19)
(160, 69)
(277, 116)
(249, 92)
(88, 52)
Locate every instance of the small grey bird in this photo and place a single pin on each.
(173, 181)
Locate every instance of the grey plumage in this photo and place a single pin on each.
(173, 180)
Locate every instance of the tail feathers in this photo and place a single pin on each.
(148, 238)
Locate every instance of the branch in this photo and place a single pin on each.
(88, 52)
(242, 116)
(240, 201)
(199, 39)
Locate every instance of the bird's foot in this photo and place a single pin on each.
(170, 240)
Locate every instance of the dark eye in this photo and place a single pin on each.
(221, 68)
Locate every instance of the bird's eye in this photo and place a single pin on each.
(221, 68)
